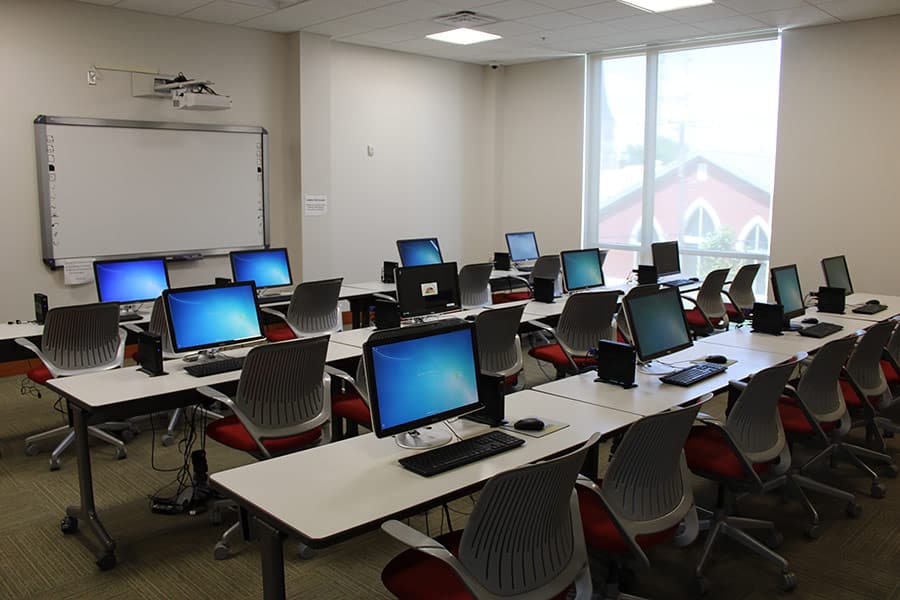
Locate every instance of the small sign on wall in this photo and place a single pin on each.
(315, 206)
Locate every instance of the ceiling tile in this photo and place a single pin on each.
(228, 13)
(795, 17)
(398, 33)
(566, 4)
(340, 28)
(756, 6)
(554, 20)
(608, 10)
(672, 33)
(849, 10)
(513, 9)
(103, 2)
(642, 22)
(305, 14)
(162, 7)
(413, 10)
(509, 28)
(732, 25)
(456, 5)
(702, 13)
(579, 32)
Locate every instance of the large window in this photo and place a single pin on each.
(681, 146)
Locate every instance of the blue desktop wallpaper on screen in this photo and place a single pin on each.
(267, 269)
(420, 252)
(132, 281)
(214, 315)
(424, 377)
(583, 270)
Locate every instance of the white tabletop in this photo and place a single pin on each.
(789, 342)
(15, 330)
(321, 504)
(651, 395)
(859, 298)
(372, 287)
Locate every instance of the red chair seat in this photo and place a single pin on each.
(501, 297)
(279, 334)
(707, 451)
(351, 407)
(696, 319)
(890, 373)
(553, 353)
(232, 433)
(735, 314)
(415, 575)
(794, 419)
(600, 531)
(40, 375)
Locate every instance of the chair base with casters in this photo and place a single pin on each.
(31, 448)
(863, 415)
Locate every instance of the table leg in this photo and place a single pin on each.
(271, 544)
(106, 557)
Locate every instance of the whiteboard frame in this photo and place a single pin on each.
(43, 175)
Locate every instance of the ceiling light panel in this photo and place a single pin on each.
(665, 5)
(463, 36)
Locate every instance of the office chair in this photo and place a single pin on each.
(77, 340)
(545, 267)
(623, 332)
(745, 455)
(499, 346)
(645, 495)
(586, 318)
(475, 285)
(740, 293)
(709, 313)
(523, 540)
(313, 310)
(890, 367)
(283, 404)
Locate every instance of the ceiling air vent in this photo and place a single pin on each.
(465, 18)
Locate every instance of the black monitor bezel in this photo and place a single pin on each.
(509, 246)
(662, 246)
(408, 334)
(843, 259)
(124, 260)
(401, 272)
(626, 303)
(287, 260)
(428, 239)
(600, 259)
(179, 349)
(777, 294)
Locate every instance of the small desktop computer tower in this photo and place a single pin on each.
(832, 300)
(492, 393)
(387, 271)
(616, 363)
(646, 274)
(222, 281)
(149, 354)
(768, 318)
(543, 289)
(40, 308)
(387, 314)
(501, 261)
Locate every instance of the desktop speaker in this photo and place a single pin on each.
(387, 271)
(501, 261)
(387, 314)
(543, 289)
(491, 392)
(40, 308)
(832, 300)
(222, 281)
(768, 318)
(616, 363)
(149, 354)
(646, 274)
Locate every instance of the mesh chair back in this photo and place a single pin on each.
(754, 422)
(546, 267)
(893, 345)
(160, 326)
(499, 349)
(313, 308)
(864, 365)
(741, 288)
(281, 390)
(82, 337)
(524, 536)
(709, 298)
(474, 285)
(819, 387)
(585, 319)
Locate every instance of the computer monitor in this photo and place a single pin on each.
(582, 269)
(424, 251)
(130, 280)
(212, 316)
(787, 290)
(657, 322)
(837, 274)
(522, 246)
(420, 375)
(266, 268)
(666, 258)
(427, 290)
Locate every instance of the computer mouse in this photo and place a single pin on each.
(810, 321)
(873, 301)
(529, 424)
(718, 359)
(471, 318)
(694, 278)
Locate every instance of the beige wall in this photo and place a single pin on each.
(837, 181)
(46, 48)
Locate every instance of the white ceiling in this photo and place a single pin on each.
(531, 29)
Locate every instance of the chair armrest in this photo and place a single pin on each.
(738, 385)
(274, 312)
(214, 394)
(381, 296)
(544, 326)
(132, 327)
(29, 345)
(342, 375)
(586, 483)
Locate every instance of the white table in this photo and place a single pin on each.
(858, 298)
(788, 341)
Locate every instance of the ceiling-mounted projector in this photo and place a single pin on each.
(187, 100)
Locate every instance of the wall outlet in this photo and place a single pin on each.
(92, 77)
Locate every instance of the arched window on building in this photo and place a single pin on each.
(701, 221)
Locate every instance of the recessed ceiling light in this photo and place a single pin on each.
(664, 5)
(463, 36)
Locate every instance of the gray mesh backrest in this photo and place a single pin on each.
(160, 326)
(81, 337)
(474, 285)
(819, 387)
(313, 307)
(864, 365)
(281, 391)
(498, 345)
(754, 423)
(741, 288)
(621, 318)
(645, 482)
(893, 345)
(709, 298)
(546, 267)
(586, 318)
(520, 535)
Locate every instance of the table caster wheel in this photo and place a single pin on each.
(221, 551)
(701, 586)
(68, 525)
(168, 439)
(54, 464)
(853, 510)
(774, 540)
(106, 561)
(878, 490)
(891, 471)
(787, 582)
(121, 453)
(814, 531)
(305, 552)
(32, 450)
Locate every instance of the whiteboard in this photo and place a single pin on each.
(129, 188)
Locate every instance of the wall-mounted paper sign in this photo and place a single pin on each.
(315, 206)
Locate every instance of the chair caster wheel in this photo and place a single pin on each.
(305, 552)
(878, 490)
(54, 464)
(701, 586)
(221, 551)
(68, 525)
(813, 532)
(891, 471)
(168, 439)
(121, 453)
(774, 540)
(32, 450)
(106, 561)
(853, 510)
(787, 582)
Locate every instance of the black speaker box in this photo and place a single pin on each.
(387, 314)
(501, 261)
(616, 363)
(387, 271)
(543, 289)
(832, 300)
(222, 281)
(491, 392)
(149, 354)
(646, 274)
(768, 318)
(40, 308)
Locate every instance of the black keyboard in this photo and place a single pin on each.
(130, 316)
(820, 330)
(214, 367)
(678, 282)
(274, 299)
(438, 460)
(692, 375)
(869, 309)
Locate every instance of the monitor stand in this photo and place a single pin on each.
(788, 326)
(427, 437)
(129, 312)
(654, 368)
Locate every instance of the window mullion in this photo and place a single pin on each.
(649, 187)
